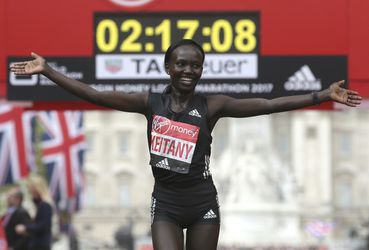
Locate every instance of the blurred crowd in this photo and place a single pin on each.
(23, 232)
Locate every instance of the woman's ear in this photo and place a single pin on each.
(166, 66)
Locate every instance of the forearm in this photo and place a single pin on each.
(75, 87)
(42, 221)
(288, 103)
(41, 225)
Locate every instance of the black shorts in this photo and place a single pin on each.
(185, 217)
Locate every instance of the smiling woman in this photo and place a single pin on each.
(179, 126)
(184, 66)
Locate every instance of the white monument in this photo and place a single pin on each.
(256, 189)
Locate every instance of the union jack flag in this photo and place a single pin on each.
(16, 150)
(63, 147)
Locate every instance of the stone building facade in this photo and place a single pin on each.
(277, 176)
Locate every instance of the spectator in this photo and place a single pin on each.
(40, 228)
(15, 215)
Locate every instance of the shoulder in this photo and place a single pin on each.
(154, 95)
(22, 210)
(45, 205)
(215, 102)
(156, 98)
(217, 98)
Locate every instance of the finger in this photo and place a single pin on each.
(20, 72)
(356, 97)
(352, 92)
(18, 64)
(18, 68)
(350, 103)
(353, 102)
(34, 55)
(356, 101)
(340, 83)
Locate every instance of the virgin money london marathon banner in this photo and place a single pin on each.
(129, 53)
(277, 76)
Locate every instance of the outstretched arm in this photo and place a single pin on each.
(112, 99)
(224, 106)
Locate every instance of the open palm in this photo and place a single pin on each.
(348, 97)
(35, 66)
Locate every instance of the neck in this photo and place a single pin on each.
(179, 101)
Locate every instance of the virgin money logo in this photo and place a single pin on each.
(160, 124)
(131, 3)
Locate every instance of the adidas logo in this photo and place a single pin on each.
(163, 164)
(303, 79)
(194, 112)
(210, 214)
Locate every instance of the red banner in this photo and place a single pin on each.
(288, 28)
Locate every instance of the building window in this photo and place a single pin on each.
(123, 143)
(343, 192)
(89, 196)
(90, 138)
(124, 187)
(311, 132)
(345, 143)
(124, 196)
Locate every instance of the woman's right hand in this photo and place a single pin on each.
(20, 229)
(35, 66)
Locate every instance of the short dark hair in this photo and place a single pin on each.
(182, 42)
(19, 195)
(172, 47)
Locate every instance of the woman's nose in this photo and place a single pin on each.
(188, 68)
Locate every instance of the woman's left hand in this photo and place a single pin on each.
(348, 97)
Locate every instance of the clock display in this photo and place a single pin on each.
(142, 33)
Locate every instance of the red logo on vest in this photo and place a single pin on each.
(160, 124)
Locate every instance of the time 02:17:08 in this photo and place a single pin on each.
(221, 33)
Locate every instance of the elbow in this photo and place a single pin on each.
(266, 107)
(269, 107)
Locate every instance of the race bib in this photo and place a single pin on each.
(175, 142)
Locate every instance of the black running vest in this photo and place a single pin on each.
(179, 145)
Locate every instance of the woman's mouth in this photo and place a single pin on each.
(186, 80)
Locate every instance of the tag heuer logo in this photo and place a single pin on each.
(113, 65)
(130, 3)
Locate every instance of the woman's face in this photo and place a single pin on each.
(185, 68)
(33, 192)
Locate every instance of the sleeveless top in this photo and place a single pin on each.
(179, 145)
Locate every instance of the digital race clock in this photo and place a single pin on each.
(226, 32)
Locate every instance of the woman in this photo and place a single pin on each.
(179, 137)
(40, 228)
